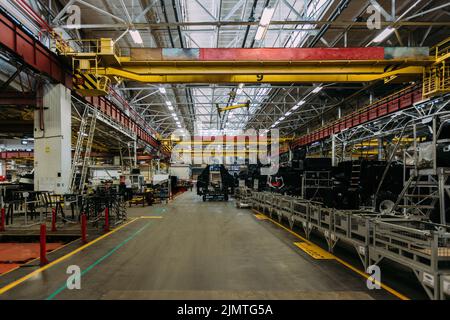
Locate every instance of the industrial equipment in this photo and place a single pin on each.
(215, 182)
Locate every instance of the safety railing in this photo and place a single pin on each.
(85, 47)
(436, 78)
(425, 245)
(441, 49)
(422, 246)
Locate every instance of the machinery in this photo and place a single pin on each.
(215, 182)
(355, 184)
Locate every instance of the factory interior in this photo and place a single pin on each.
(225, 150)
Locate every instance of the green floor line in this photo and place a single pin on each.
(59, 290)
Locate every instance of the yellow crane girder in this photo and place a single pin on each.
(310, 75)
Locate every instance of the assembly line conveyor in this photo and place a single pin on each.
(424, 247)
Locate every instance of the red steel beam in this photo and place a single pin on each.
(400, 100)
(279, 54)
(291, 54)
(31, 51)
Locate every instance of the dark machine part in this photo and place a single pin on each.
(253, 174)
(287, 181)
(351, 192)
(315, 164)
(215, 189)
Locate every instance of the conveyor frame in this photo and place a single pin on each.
(424, 247)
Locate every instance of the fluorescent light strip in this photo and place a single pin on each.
(298, 105)
(136, 37)
(317, 89)
(384, 34)
(266, 17)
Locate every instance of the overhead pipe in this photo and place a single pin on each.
(175, 11)
(163, 8)
(250, 19)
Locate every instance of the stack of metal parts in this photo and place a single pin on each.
(424, 247)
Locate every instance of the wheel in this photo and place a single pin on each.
(386, 202)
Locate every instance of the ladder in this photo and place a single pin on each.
(78, 149)
(84, 143)
(87, 154)
(419, 195)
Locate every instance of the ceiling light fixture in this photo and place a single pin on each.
(298, 105)
(162, 90)
(136, 37)
(383, 35)
(317, 89)
(266, 17)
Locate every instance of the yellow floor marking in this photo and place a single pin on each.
(260, 217)
(344, 263)
(314, 251)
(150, 217)
(47, 266)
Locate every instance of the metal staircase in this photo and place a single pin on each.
(428, 186)
(81, 161)
(420, 194)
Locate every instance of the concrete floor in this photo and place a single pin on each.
(197, 250)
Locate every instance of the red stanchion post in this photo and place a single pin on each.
(53, 220)
(2, 220)
(83, 228)
(107, 219)
(43, 255)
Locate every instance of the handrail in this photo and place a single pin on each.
(367, 108)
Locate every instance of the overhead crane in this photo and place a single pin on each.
(232, 107)
(99, 62)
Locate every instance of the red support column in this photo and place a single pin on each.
(83, 228)
(107, 219)
(43, 256)
(53, 220)
(2, 220)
